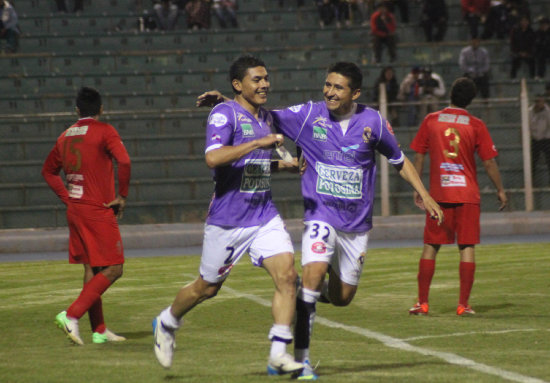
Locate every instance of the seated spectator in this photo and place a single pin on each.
(542, 46)
(62, 5)
(382, 24)
(225, 11)
(434, 14)
(474, 63)
(432, 89)
(409, 90)
(198, 14)
(387, 78)
(522, 47)
(166, 15)
(475, 13)
(8, 26)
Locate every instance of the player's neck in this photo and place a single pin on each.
(249, 107)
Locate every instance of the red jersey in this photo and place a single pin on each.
(451, 137)
(85, 152)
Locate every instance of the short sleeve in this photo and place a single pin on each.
(220, 127)
(290, 121)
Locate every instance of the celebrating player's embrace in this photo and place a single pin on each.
(339, 139)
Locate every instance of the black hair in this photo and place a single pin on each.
(88, 102)
(463, 92)
(350, 71)
(238, 69)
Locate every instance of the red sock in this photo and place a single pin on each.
(466, 271)
(426, 269)
(89, 294)
(95, 313)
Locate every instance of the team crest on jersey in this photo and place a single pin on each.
(319, 133)
(247, 130)
(361, 259)
(218, 119)
(242, 118)
(367, 133)
(319, 248)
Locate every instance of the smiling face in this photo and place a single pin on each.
(253, 88)
(338, 95)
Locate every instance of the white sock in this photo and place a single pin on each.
(280, 335)
(169, 320)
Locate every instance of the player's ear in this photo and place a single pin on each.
(355, 94)
(237, 85)
(100, 110)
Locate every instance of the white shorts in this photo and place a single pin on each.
(344, 252)
(224, 246)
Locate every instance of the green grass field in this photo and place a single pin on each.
(225, 339)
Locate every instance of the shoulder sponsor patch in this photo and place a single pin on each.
(218, 119)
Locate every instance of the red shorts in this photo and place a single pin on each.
(460, 218)
(94, 237)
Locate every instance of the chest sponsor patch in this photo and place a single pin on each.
(339, 181)
(247, 129)
(453, 180)
(319, 133)
(256, 176)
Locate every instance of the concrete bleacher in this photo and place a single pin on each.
(149, 82)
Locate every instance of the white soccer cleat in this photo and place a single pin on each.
(283, 363)
(107, 336)
(164, 343)
(69, 327)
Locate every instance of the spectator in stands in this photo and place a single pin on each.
(522, 46)
(62, 5)
(539, 124)
(342, 13)
(542, 46)
(432, 89)
(498, 21)
(360, 11)
(475, 64)
(326, 12)
(434, 14)
(166, 15)
(409, 90)
(9, 29)
(226, 12)
(383, 27)
(198, 14)
(403, 6)
(387, 77)
(475, 12)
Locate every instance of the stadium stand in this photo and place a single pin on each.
(149, 81)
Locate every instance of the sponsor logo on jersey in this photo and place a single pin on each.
(333, 155)
(256, 176)
(450, 167)
(296, 108)
(319, 133)
(247, 130)
(319, 248)
(242, 118)
(218, 119)
(322, 121)
(465, 120)
(453, 118)
(339, 181)
(348, 148)
(76, 131)
(453, 180)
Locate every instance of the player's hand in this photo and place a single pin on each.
(210, 98)
(118, 205)
(418, 201)
(503, 198)
(291, 167)
(433, 209)
(270, 141)
(302, 165)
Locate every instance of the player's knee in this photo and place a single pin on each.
(210, 291)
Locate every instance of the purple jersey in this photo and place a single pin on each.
(242, 193)
(339, 183)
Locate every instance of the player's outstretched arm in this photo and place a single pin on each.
(409, 174)
(491, 167)
(211, 98)
(229, 154)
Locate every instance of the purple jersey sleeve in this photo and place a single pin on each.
(220, 127)
(290, 121)
(387, 144)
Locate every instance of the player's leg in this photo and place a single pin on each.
(216, 264)
(272, 249)
(468, 235)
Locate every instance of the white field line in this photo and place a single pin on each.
(468, 333)
(404, 346)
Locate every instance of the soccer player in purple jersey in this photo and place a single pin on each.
(242, 217)
(339, 139)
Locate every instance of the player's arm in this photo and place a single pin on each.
(419, 167)
(226, 155)
(120, 154)
(410, 174)
(491, 167)
(50, 172)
